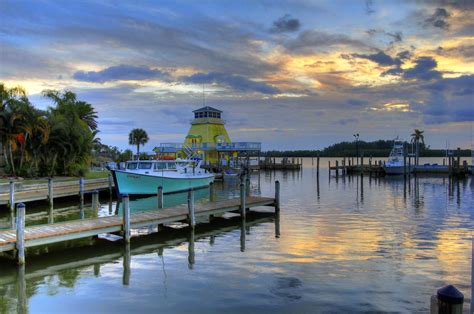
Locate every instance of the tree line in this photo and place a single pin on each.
(55, 141)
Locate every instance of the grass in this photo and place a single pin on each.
(89, 175)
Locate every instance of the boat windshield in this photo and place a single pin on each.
(160, 165)
(132, 165)
(145, 165)
(171, 165)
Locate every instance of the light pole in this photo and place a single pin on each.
(356, 136)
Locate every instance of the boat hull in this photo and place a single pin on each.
(394, 170)
(143, 184)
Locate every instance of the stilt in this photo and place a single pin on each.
(242, 201)
(159, 196)
(20, 233)
(126, 218)
(191, 216)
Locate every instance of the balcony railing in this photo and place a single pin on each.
(235, 146)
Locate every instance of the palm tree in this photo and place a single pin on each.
(416, 138)
(138, 137)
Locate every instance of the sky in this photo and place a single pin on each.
(290, 74)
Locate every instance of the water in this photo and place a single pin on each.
(352, 244)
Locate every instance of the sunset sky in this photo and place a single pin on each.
(293, 75)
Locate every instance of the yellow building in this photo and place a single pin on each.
(208, 139)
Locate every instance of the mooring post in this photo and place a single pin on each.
(12, 196)
(110, 183)
(312, 161)
(211, 191)
(95, 200)
(458, 160)
(50, 192)
(243, 204)
(447, 300)
(126, 218)
(191, 216)
(337, 168)
(20, 233)
(317, 164)
(329, 167)
(404, 164)
(81, 189)
(277, 196)
(159, 196)
(127, 259)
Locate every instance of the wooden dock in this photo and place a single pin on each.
(286, 164)
(20, 238)
(23, 193)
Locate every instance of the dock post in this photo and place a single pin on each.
(317, 165)
(277, 196)
(312, 161)
(192, 218)
(50, 192)
(159, 196)
(211, 191)
(329, 167)
(243, 205)
(81, 189)
(337, 168)
(110, 184)
(362, 163)
(405, 164)
(447, 299)
(126, 218)
(11, 201)
(458, 160)
(127, 259)
(20, 233)
(95, 200)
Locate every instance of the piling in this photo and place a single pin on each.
(211, 191)
(159, 196)
(404, 164)
(242, 201)
(277, 196)
(127, 259)
(50, 192)
(191, 216)
(81, 189)
(126, 218)
(337, 168)
(317, 165)
(447, 299)
(11, 201)
(95, 200)
(312, 161)
(458, 160)
(329, 167)
(110, 183)
(20, 233)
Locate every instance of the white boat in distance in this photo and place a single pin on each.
(143, 177)
(396, 163)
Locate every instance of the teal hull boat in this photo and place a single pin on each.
(147, 184)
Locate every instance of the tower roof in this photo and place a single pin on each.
(207, 109)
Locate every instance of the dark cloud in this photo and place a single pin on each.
(357, 102)
(439, 18)
(313, 40)
(380, 58)
(395, 37)
(424, 69)
(369, 7)
(406, 54)
(236, 82)
(121, 72)
(285, 24)
(465, 51)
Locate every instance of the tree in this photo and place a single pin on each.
(138, 137)
(416, 138)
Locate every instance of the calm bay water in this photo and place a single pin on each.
(352, 244)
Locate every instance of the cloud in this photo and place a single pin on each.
(369, 7)
(357, 102)
(439, 18)
(380, 58)
(312, 40)
(424, 69)
(285, 24)
(236, 82)
(347, 121)
(121, 72)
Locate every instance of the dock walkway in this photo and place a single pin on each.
(64, 231)
(37, 192)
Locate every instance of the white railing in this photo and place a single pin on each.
(235, 146)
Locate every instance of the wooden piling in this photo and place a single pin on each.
(191, 216)
(329, 166)
(126, 218)
(81, 189)
(337, 168)
(404, 164)
(50, 192)
(110, 183)
(11, 201)
(95, 200)
(242, 201)
(317, 164)
(20, 233)
(277, 196)
(159, 196)
(211, 191)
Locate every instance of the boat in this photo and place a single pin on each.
(143, 177)
(395, 164)
(231, 173)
